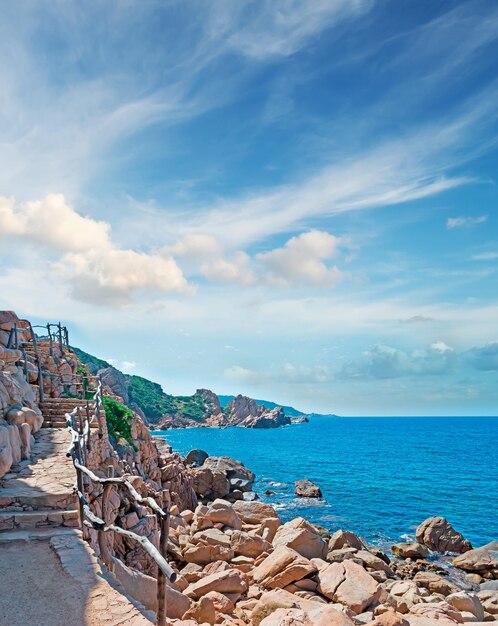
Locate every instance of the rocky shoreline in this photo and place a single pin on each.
(274, 574)
(237, 562)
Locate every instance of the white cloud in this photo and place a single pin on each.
(196, 247)
(465, 222)
(128, 366)
(303, 374)
(96, 270)
(440, 346)
(235, 269)
(281, 27)
(52, 222)
(384, 362)
(241, 374)
(111, 276)
(302, 260)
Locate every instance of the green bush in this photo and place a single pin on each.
(119, 420)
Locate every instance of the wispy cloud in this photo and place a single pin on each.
(485, 256)
(465, 221)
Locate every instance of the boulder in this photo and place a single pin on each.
(210, 484)
(307, 489)
(221, 602)
(410, 550)
(439, 535)
(282, 567)
(349, 584)
(255, 512)
(196, 457)
(483, 560)
(271, 601)
(468, 602)
(287, 617)
(224, 581)
(244, 544)
(434, 583)
(202, 611)
(346, 539)
(437, 611)
(221, 512)
(206, 553)
(489, 600)
(300, 535)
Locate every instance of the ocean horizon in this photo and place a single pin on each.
(380, 476)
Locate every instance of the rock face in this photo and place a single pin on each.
(243, 411)
(307, 489)
(439, 535)
(483, 560)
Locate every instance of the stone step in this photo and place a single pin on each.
(48, 423)
(38, 499)
(38, 534)
(42, 518)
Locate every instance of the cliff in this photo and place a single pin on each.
(164, 411)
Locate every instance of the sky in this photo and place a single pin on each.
(292, 200)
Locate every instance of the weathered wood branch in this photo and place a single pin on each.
(95, 522)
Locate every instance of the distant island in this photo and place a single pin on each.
(163, 411)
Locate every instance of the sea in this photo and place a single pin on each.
(380, 476)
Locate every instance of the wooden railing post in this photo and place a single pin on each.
(38, 362)
(162, 603)
(61, 346)
(50, 344)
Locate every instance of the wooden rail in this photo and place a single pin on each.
(79, 428)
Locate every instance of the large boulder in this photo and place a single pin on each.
(467, 602)
(349, 584)
(302, 537)
(483, 560)
(210, 484)
(282, 567)
(244, 544)
(346, 539)
(439, 535)
(196, 457)
(305, 488)
(412, 550)
(221, 512)
(225, 581)
(255, 512)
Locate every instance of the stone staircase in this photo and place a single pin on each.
(37, 499)
(54, 411)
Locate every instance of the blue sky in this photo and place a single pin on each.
(292, 200)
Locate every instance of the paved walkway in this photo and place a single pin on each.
(47, 480)
(49, 575)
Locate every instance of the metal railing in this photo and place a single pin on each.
(79, 428)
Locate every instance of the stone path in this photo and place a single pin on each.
(49, 575)
(45, 482)
(57, 583)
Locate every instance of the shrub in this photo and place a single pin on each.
(119, 420)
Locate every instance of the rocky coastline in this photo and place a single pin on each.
(237, 562)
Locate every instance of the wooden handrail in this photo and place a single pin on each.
(77, 450)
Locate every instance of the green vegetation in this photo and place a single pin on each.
(151, 398)
(93, 363)
(119, 419)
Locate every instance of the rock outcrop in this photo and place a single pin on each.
(439, 535)
(305, 488)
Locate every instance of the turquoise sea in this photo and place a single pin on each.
(380, 477)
